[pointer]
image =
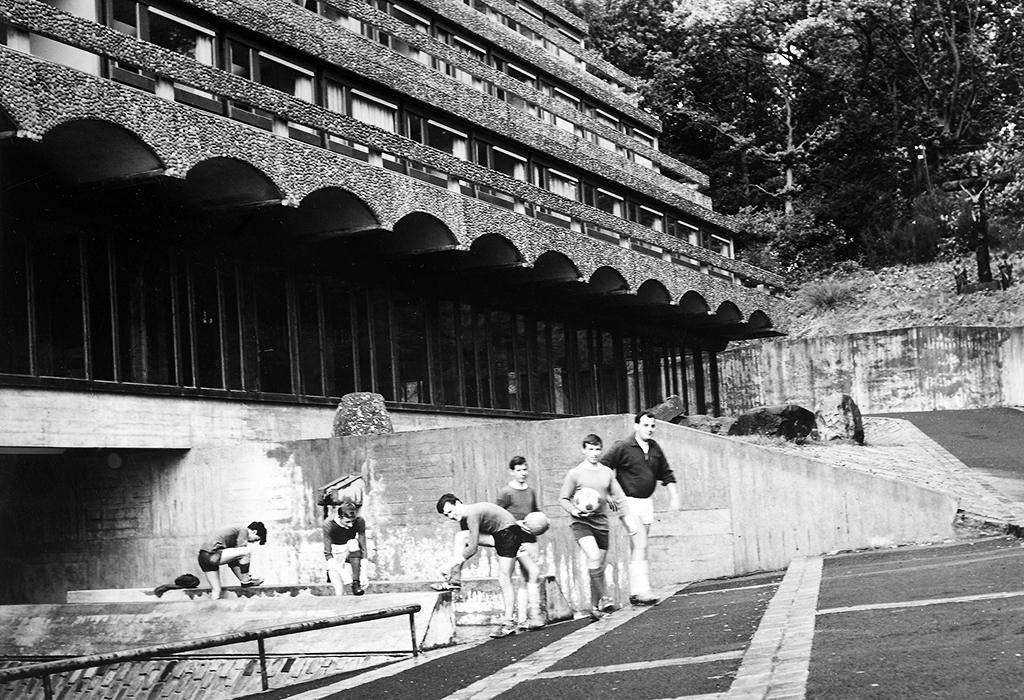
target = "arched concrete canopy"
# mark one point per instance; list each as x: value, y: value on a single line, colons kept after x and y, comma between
x: 91, y: 150
x: 329, y: 213
x: 759, y: 321
x: 653, y: 292
x: 728, y: 312
x: 693, y: 303
x: 229, y: 183
x: 418, y: 232
x: 556, y: 267
x: 607, y: 280
x: 494, y: 250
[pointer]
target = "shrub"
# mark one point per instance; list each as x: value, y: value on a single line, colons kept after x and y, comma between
x: 827, y: 294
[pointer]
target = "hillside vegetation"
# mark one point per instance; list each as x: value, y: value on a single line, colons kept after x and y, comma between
x: 861, y: 300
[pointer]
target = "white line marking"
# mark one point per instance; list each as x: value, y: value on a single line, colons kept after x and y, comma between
x: 527, y: 668
x: 726, y: 590
x: 921, y: 603
x: 934, y: 565
x: 641, y: 665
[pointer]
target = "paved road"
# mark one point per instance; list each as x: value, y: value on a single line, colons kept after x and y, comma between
x: 990, y: 441
x: 943, y: 621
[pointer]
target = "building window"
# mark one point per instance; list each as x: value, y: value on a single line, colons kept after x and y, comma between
x: 374, y: 111
x: 645, y: 216
x: 556, y: 182
x: 417, y: 22
x: 437, y: 135
x: 603, y: 199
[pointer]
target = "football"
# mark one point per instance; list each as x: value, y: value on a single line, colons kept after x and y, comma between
x: 536, y: 523
x: 586, y: 500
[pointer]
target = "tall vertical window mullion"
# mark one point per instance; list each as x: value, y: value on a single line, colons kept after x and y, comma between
x: 193, y: 330
x: 353, y: 306
x: 393, y: 339
x: 684, y: 384
x: 321, y: 321
x: 435, y: 385
x: 292, y: 334
x: 716, y: 401
x: 485, y: 318
x: 221, y: 325
x: 30, y: 299
x: 529, y: 337
x: 176, y: 358
x: 698, y: 380
x: 597, y: 344
x: 638, y: 399
x: 83, y: 266
x: 570, y: 371
x: 372, y: 349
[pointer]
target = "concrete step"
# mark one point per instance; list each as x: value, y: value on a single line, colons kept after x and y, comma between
x: 478, y: 603
x: 100, y: 627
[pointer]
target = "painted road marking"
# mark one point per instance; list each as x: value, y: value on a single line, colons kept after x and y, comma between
x: 920, y: 567
x: 778, y: 660
x: 527, y: 668
x: 726, y: 590
x: 921, y: 603
x: 641, y: 665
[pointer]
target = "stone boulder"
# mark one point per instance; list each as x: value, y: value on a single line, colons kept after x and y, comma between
x: 718, y: 425
x: 362, y: 413
x: 786, y: 420
x: 669, y: 410
x: 837, y: 417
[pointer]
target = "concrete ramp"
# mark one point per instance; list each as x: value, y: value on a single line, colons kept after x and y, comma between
x: 101, y: 627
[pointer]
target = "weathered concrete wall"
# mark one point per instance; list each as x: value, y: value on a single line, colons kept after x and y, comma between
x: 77, y: 419
x: 910, y: 369
x: 70, y: 522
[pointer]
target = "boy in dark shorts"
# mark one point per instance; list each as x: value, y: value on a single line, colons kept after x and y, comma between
x: 230, y: 546
x: 591, y: 529
x: 519, y: 499
x: 345, y: 534
x: 491, y: 526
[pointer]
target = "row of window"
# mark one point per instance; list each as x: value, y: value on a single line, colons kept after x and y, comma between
x: 425, y: 24
x: 124, y: 310
x: 253, y: 63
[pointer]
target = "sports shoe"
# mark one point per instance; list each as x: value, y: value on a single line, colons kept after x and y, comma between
x: 253, y: 581
x: 646, y: 599
x: 597, y: 615
x: 534, y: 624
x: 445, y: 586
x: 357, y: 589
x: 505, y: 630
x: 606, y: 605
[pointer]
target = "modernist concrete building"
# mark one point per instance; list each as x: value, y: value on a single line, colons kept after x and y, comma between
x: 220, y: 216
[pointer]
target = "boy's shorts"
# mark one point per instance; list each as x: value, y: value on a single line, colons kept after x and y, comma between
x: 642, y: 509
x: 507, y: 541
x: 209, y: 561
x: 582, y: 529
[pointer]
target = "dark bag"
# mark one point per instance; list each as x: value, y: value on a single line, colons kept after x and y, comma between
x: 186, y: 581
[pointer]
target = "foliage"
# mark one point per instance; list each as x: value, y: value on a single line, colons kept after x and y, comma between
x: 843, y: 118
x: 826, y: 294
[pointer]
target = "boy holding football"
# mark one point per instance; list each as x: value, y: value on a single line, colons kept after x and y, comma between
x: 590, y: 527
x: 520, y: 499
x: 491, y: 526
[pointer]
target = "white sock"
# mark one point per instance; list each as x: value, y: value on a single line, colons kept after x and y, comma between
x: 639, y: 578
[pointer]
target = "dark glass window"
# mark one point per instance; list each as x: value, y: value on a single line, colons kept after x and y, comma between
x: 207, y: 324
x: 448, y: 353
x: 144, y: 314
x: 411, y: 352
x: 57, y: 289
x: 309, y: 338
x: 274, y: 356
x: 380, y: 317
x: 14, y: 345
x: 101, y: 327
x: 338, y: 340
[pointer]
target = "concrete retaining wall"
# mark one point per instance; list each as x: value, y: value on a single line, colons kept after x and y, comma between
x: 70, y: 522
x: 54, y: 419
x: 910, y: 369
